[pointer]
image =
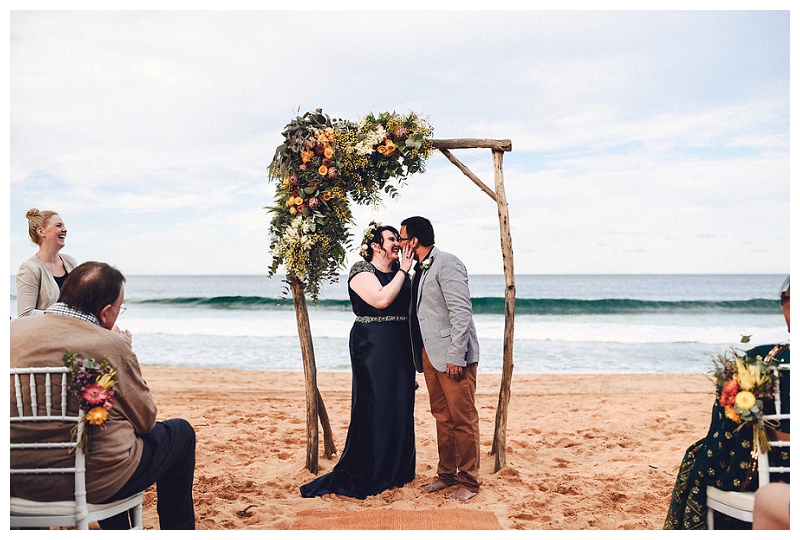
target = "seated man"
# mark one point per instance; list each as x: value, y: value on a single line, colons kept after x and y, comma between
x: 131, y: 451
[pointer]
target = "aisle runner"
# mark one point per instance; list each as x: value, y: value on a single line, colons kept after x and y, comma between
x: 390, y: 519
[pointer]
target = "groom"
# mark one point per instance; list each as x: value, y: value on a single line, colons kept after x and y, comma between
x: 445, y: 346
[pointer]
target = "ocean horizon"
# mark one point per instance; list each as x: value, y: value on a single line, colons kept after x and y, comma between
x: 576, y: 323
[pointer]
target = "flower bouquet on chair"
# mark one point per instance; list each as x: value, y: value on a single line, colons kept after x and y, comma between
x: 92, y: 382
x: 743, y: 384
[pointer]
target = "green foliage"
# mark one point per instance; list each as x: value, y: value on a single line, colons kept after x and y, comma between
x: 322, y: 165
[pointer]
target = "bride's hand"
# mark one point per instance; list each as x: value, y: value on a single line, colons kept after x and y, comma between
x: 408, y: 259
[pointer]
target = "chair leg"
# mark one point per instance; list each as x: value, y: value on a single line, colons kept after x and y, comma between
x: 710, y: 519
x: 136, y: 516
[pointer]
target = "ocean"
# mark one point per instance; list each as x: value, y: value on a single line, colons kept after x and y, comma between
x: 564, y: 323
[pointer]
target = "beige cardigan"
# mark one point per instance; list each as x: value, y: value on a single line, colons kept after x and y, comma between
x: 37, y: 290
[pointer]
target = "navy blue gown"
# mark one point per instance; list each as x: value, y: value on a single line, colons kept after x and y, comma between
x: 379, y: 452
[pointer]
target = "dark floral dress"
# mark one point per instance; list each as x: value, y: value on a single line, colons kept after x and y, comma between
x: 724, y: 458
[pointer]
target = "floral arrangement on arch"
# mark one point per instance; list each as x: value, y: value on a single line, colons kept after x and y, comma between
x: 92, y: 382
x: 323, y: 165
x: 743, y: 384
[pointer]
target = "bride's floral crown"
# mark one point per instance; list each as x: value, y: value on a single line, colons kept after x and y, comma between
x: 369, y: 233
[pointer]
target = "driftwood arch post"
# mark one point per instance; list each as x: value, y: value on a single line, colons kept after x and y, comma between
x: 498, y: 148
x: 315, y: 407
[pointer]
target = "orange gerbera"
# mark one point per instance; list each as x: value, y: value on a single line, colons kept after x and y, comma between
x: 96, y: 416
x: 323, y: 170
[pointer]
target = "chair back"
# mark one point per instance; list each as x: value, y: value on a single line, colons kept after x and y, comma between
x: 765, y: 470
x: 28, y: 389
x: 739, y: 504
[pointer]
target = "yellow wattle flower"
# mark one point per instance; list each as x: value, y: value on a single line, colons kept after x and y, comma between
x: 745, y: 400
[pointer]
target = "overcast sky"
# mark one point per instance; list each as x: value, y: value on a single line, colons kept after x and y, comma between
x: 643, y: 142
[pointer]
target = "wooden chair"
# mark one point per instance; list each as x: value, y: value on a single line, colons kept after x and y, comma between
x: 75, y: 512
x: 739, y: 504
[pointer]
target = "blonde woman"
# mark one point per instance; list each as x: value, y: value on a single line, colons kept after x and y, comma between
x: 39, y: 278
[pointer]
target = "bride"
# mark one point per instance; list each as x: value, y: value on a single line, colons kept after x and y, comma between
x: 379, y: 452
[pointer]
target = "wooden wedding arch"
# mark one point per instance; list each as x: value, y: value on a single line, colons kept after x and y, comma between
x: 315, y: 407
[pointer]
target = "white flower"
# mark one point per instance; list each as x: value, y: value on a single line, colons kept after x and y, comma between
x: 424, y: 265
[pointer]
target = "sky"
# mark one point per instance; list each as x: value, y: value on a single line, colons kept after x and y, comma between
x: 643, y: 141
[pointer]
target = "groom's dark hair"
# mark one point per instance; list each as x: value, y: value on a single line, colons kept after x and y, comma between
x: 420, y: 228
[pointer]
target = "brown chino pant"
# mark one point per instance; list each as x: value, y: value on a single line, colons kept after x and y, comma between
x: 457, y: 433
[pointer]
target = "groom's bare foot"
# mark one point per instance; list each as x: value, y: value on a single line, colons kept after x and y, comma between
x: 436, y: 485
x: 461, y: 493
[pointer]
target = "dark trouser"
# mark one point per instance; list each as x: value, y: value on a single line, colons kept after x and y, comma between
x: 167, y: 461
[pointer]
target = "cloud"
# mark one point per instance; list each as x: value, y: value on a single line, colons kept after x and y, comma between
x: 643, y: 141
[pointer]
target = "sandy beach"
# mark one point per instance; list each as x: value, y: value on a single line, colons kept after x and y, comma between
x: 583, y: 452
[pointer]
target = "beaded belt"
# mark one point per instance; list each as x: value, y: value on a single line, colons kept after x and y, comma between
x: 382, y: 318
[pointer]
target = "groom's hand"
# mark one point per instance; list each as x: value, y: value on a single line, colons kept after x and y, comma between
x: 454, y: 372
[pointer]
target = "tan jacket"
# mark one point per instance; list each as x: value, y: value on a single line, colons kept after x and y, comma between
x: 114, y: 452
x: 37, y: 290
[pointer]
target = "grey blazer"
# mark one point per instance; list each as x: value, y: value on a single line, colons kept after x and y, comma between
x: 444, y: 310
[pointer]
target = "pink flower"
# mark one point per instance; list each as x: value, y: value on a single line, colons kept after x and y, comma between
x: 94, y: 394
x: 313, y: 203
x: 332, y: 174
x: 109, y: 400
x: 302, y: 167
x: 401, y: 132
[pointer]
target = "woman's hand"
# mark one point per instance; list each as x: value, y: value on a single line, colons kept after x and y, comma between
x: 408, y: 258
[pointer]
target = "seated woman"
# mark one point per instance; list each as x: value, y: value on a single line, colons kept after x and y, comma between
x: 724, y: 458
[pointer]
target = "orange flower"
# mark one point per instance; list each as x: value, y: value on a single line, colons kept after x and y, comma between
x: 730, y: 413
x: 323, y: 170
x: 307, y: 155
x: 326, y: 196
x: 96, y: 416
x: 390, y: 148
x: 292, y: 210
x: 382, y: 150
x: 328, y: 152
